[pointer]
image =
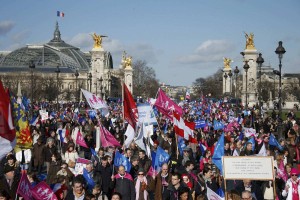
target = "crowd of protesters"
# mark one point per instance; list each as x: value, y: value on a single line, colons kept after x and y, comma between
x: 187, y: 175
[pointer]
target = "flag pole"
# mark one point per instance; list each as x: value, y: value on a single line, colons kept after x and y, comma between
x: 123, y: 110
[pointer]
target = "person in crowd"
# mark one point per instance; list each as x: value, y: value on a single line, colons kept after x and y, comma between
x: 66, y: 173
x: 96, y: 160
x: 77, y: 192
x: 98, y: 193
x: 32, y: 178
x: 116, y: 196
x: 144, y: 161
x: 161, y: 181
x: 12, y: 162
x: 93, y: 173
x: 49, y: 150
x: 248, y: 150
x: 38, y: 155
x: 172, y: 192
x: 250, y: 186
x: 105, y: 170
x: 90, y: 143
x: 123, y: 183
x: 55, y: 166
x: 71, y: 154
x: 134, y: 167
x: 142, y: 185
x: 292, y: 187
x: 246, y: 195
x: 9, y: 183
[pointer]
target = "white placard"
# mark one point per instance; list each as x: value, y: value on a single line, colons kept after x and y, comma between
x: 248, y: 167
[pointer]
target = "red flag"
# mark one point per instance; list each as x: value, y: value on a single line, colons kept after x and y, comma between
x: 183, y: 128
x: 43, y: 191
x: 130, y: 109
x: 80, y: 141
x: 7, y: 130
x: 107, y: 139
x: 24, y: 188
x: 166, y: 106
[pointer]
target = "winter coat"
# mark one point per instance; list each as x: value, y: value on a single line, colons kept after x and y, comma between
x: 38, y: 154
x: 11, y: 190
x: 125, y: 187
x: 158, y: 187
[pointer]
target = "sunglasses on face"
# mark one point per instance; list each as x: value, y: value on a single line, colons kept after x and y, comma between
x: 141, y: 174
x: 294, y: 175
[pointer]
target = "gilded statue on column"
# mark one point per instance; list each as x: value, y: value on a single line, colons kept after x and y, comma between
x: 249, y: 41
x: 97, y: 40
x: 227, y: 62
x: 127, y: 61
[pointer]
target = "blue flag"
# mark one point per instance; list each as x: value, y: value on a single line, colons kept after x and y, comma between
x: 218, y: 125
x: 153, y: 155
x: 89, y: 179
x: 200, y: 123
x: 120, y: 159
x: 93, y: 152
x: 241, y: 136
x: 274, y: 142
x: 61, y: 137
x: 181, y: 145
x: 219, y: 153
x: 161, y: 157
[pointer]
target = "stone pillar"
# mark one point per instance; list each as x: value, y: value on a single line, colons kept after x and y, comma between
x: 128, y: 73
x: 250, y: 55
x: 226, y: 82
x: 97, y: 67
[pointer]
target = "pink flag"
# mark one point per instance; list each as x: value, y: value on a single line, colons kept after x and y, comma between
x: 43, y: 191
x: 107, y: 139
x: 281, y: 171
x: 166, y: 106
x: 24, y: 188
x: 152, y: 172
x: 80, y: 140
x: 83, y: 161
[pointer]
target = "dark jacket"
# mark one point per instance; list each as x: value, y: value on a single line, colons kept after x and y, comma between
x: 38, y: 154
x: 11, y: 190
x: 254, y: 189
x: 125, y: 187
x: 172, y: 194
x: 105, y: 173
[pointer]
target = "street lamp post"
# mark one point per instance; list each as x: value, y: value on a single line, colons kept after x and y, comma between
x: 236, y: 72
x: 225, y: 77
x: 246, y: 67
x: 76, y: 91
x: 101, y: 87
x: 260, y: 61
x: 57, y: 71
x: 32, y: 67
x: 230, y: 76
x: 90, y: 80
x: 280, y: 51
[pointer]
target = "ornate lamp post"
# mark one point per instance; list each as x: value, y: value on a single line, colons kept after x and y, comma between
x: 230, y: 76
x: 76, y: 82
x: 260, y: 61
x: 109, y: 86
x: 236, y: 72
x: 101, y: 87
x: 32, y: 67
x: 57, y: 71
x: 246, y: 67
x: 280, y: 51
x: 225, y: 77
x: 90, y: 80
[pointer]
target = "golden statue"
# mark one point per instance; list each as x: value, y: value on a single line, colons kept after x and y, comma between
x: 249, y: 41
x: 97, y: 40
x: 128, y: 61
x: 227, y: 62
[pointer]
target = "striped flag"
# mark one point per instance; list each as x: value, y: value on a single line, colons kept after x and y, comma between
x: 60, y: 14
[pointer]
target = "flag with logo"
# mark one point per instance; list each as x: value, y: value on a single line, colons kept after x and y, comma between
x: 107, y: 139
x: 43, y: 191
x: 89, y: 179
x: 219, y: 153
x: 130, y: 109
x: 93, y: 100
x: 218, y: 125
x: 120, y: 159
x: 274, y: 142
x: 24, y: 188
x: 161, y: 157
x: 80, y: 141
x: 166, y: 106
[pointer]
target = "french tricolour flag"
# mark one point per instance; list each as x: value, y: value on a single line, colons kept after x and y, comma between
x: 60, y: 14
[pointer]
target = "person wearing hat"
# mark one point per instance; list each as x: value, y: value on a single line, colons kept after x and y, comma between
x: 292, y: 186
x: 10, y: 181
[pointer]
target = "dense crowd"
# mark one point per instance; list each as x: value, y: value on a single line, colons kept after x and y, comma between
x: 189, y: 173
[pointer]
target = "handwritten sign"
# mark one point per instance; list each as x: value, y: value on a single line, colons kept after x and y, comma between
x: 248, y: 167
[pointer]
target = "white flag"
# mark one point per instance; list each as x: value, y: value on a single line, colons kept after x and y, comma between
x: 262, y: 151
x: 93, y: 100
x: 211, y: 195
x: 130, y: 135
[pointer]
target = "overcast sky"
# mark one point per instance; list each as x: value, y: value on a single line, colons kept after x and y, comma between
x: 181, y: 40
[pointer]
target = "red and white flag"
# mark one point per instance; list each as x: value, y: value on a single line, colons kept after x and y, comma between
x: 24, y: 188
x: 130, y: 109
x: 183, y: 128
x: 107, y: 139
x: 7, y: 130
x: 93, y: 100
x: 80, y: 140
x: 166, y: 106
x: 43, y: 191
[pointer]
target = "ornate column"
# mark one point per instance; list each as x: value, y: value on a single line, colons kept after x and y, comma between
x: 226, y: 78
